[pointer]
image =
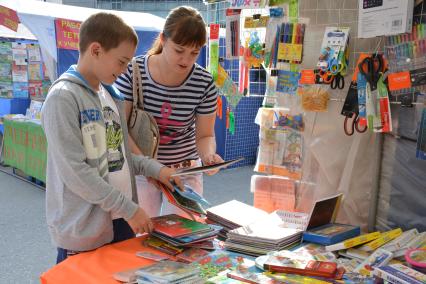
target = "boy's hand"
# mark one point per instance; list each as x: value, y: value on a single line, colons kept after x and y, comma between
x: 140, y: 222
x: 165, y: 178
x: 211, y: 159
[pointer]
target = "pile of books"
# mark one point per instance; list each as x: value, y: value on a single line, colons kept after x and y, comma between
x: 233, y: 214
x: 180, y: 232
x: 169, y: 272
x: 277, y: 231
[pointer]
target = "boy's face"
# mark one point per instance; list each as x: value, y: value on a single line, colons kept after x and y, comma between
x: 180, y: 58
x: 112, y: 63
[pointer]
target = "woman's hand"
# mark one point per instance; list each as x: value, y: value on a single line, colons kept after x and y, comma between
x: 211, y: 159
x: 165, y: 178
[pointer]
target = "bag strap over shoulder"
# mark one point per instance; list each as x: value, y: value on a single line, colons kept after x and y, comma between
x: 137, y: 85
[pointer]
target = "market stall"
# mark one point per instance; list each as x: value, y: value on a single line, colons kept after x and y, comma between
x: 43, y: 47
x: 340, y: 190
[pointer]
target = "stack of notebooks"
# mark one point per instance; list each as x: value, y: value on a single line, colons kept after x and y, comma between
x: 179, y: 231
x: 277, y: 231
x: 168, y: 272
x: 233, y: 214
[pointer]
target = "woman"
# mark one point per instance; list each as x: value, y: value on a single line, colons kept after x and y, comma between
x: 181, y: 96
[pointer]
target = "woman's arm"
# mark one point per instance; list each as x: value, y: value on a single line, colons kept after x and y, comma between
x: 205, y: 139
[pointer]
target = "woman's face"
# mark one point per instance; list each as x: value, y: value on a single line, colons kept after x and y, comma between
x: 179, y: 58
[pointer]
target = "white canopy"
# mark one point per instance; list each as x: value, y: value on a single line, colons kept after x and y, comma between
x: 39, y: 18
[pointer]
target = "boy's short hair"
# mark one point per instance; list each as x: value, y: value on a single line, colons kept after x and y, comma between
x: 107, y: 29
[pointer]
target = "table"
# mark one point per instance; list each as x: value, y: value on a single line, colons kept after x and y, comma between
x: 24, y: 147
x: 99, y: 265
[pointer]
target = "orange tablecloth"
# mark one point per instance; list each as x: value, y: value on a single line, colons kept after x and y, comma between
x: 99, y: 265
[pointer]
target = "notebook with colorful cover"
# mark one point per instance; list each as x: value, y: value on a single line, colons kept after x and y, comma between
x: 190, y: 239
x: 218, y: 261
x: 161, y: 245
x: 191, y: 255
x: 321, y: 228
x: 180, y: 200
x: 202, y: 169
x: 169, y: 271
x: 174, y: 226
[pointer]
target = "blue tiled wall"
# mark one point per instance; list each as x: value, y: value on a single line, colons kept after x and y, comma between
x: 245, y: 141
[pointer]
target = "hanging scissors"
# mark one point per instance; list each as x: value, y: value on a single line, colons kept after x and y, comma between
x: 354, y: 125
x: 337, y: 82
x: 325, y: 77
x: 372, y: 68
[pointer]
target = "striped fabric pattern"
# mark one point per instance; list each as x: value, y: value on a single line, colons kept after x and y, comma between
x: 174, y: 108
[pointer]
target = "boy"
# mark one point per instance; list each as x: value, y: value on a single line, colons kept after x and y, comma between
x: 90, y: 195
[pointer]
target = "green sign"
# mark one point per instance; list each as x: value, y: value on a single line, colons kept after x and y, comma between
x: 24, y: 147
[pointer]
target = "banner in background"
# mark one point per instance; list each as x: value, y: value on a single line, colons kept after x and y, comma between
x: 67, y: 33
x: 24, y: 148
x: 9, y: 18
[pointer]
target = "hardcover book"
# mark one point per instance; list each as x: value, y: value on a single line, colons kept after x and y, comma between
x: 175, y: 226
x: 322, y: 229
